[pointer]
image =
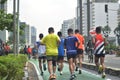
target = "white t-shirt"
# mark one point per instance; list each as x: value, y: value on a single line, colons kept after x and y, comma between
x: 41, y: 50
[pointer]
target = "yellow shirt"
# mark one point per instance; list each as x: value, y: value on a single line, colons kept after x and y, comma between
x: 51, y: 42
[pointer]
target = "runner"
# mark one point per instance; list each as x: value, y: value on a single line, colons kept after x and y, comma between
x: 51, y: 41
x: 6, y: 49
x: 41, y: 54
x: 25, y: 50
x: 99, y: 51
x: 35, y: 52
x: 80, y: 50
x: 29, y: 51
x: 60, y: 53
x: 71, y: 50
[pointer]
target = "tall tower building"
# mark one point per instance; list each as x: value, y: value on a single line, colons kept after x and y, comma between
x: 71, y: 23
x: 98, y: 16
x: 33, y: 35
x: 28, y: 35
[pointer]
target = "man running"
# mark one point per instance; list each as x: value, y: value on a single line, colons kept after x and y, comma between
x: 60, y: 53
x: 71, y: 50
x: 52, y: 42
x: 99, y: 51
x: 79, y: 50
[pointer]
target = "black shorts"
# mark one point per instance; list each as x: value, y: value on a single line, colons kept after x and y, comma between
x: 69, y: 56
x: 42, y: 57
x: 79, y: 51
x: 60, y: 58
x: 99, y: 55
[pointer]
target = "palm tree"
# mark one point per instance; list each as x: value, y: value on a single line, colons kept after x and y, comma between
x: 117, y: 32
x: 106, y: 30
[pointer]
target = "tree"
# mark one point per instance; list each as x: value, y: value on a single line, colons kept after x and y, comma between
x: 2, y: 1
x: 117, y: 32
x: 106, y: 30
x: 6, y: 21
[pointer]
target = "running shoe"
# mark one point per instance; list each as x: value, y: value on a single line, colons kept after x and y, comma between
x: 80, y: 72
x: 58, y: 67
x: 103, y: 75
x: 100, y: 69
x: 44, y: 66
x: 41, y: 73
x: 51, y: 77
x: 76, y: 69
x: 61, y: 73
x: 54, y: 76
x: 72, y: 77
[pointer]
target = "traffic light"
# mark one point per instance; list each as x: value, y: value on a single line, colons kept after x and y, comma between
x: 106, y: 8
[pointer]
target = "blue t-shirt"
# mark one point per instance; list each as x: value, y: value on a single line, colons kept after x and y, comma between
x: 61, y: 48
x: 70, y: 42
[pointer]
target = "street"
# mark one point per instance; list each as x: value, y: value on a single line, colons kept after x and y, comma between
x: 110, y: 61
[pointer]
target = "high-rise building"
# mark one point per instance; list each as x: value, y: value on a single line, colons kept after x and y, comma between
x: 71, y: 23
x: 98, y: 16
x: 33, y: 35
x: 28, y: 35
x: 105, y: 0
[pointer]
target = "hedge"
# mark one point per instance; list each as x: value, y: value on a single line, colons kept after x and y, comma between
x: 11, y: 67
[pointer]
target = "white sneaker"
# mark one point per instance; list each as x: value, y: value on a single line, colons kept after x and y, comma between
x: 61, y: 73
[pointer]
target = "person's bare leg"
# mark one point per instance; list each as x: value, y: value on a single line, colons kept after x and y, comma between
x: 50, y: 68
x: 97, y: 61
x: 40, y: 66
x: 80, y: 60
x: 102, y: 63
x: 70, y: 61
x: 76, y: 63
x: 61, y: 65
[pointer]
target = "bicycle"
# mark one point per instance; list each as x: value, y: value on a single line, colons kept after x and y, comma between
x: 90, y: 55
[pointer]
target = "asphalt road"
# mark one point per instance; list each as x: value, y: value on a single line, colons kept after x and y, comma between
x: 110, y: 61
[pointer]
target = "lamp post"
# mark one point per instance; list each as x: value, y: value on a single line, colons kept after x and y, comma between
x: 88, y: 17
x: 14, y: 26
x: 18, y: 2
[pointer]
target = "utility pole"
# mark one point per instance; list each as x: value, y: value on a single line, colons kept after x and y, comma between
x: 80, y: 10
x: 18, y: 2
x: 88, y: 17
x: 14, y: 26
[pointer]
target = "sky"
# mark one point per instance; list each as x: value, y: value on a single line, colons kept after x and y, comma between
x: 45, y: 13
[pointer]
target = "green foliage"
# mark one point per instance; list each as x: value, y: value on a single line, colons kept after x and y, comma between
x: 6, y: 21
x: 11, y: 67
x: 2, y: 1
x: 118, y: 51
x: 117, y: 30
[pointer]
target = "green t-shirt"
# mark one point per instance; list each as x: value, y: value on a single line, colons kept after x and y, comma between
x: 51, y: 42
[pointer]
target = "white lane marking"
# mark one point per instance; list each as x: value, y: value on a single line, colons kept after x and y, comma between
x: 37, y: 71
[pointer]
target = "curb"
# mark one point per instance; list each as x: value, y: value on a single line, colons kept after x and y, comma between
x: 37, y: 71
x: 108, y: 70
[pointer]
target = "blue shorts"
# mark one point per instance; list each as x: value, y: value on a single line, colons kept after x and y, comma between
x: 69, y: 56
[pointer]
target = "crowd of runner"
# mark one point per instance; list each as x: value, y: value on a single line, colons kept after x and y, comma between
x: 51, y: 49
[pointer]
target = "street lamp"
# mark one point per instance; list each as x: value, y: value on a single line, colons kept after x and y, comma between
x: 14, y: 26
